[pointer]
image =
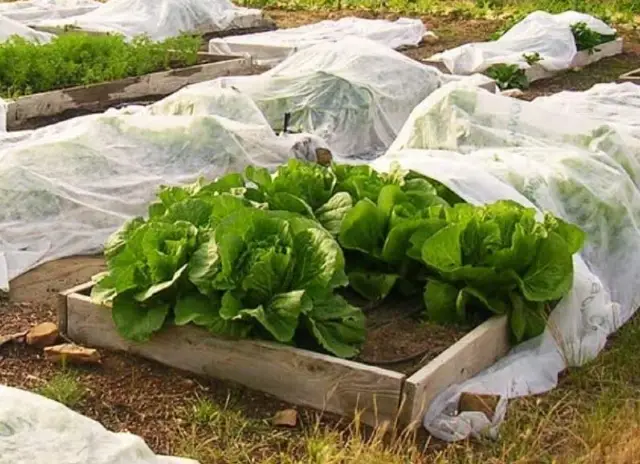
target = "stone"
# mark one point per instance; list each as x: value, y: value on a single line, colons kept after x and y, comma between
x: 72, y: 354
x: 45, y: 334
x: 12, y: 337
x: 286, y: 418
x: 486, y: 404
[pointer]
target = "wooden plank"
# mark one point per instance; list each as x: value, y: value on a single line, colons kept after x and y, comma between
x: 473, y: 353
x: 61, y: 304
x: 632, y: 76
x: 291, y: 374
x: 582, y: 59
x: 261, y: 24
x: 26, y: 111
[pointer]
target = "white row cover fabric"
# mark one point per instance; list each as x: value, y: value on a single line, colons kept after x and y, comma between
x: 65, y: 188
x: 540, y: 32
x: 30, y: 11
x: 161, y: 19
x: 583, y: 169
x: 270, y: 48
x: 10, y: 28
x: 35, y: 430
x: 354, y: 93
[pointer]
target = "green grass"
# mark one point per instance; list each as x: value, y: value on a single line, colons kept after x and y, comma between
x: 618, y: 11
x: 80, y: 59
x: 63, y: 388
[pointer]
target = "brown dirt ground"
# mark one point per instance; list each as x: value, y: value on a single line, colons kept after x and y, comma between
x: 130, y: 394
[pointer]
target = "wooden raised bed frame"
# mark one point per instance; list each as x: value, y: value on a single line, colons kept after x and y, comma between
x: 40, y: 109
x: 582, y: 59
x: 295, y: 375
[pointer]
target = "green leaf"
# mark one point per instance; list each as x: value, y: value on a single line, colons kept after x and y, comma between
x: 116, y: 242
x: 135, y: 321
x: 318, y: 258
x: 336, y: 325
x: 192, y: 210
x: 259, y: 176
x: 204, y: 265
x: 571, y: 234
x: 287, y: 202
x: 205, y: 311
x: 363, y: 228
x: 331, y: 214
x: 280, y: 316
x: 196, y: 309
x: 440, y: 299
x: 550, y: 276
x: 442, y: 250
x: 373, y: 286
x: 162, y: 286
x: 428, y: 227
x: 518, y: 318
x: 494, y: 304
x: 390, y: 196
x: 104, y: 291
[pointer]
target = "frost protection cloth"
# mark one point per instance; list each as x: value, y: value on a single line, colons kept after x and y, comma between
x: 161, y: 19
x: 10, y: 28
x: 34, y: 429
x: 354, y: 93
x: 65, y: 188
x: 270, y: 48
x: 488, y: 147
x: 540, y: 32
x: 30, y: 11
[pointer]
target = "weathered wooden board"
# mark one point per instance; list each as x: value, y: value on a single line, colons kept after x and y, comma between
x: 292, y: 374
x: 473, y: 353
x: 27, y: 112
x: 632, y: 76
x: 251, y: 26
x: 582, y: 59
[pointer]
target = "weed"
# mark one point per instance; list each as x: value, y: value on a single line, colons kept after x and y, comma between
x: 532, y: 58
x: 508, y: 76
x: 63, y: 388
x: 588, y: 39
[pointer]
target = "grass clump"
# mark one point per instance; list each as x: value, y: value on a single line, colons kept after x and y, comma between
x: 63, y: 388
x: 80, y: 59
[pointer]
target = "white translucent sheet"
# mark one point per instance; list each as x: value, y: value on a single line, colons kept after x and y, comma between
x: 540, y: 32
x: 65, y: 188
x: 10, y: 28
x: 161, y: 19
x: 29, y: 11
x: 270, y: 48
x: 35, y: 430
x: 354, y: 93
x: 586, y: 170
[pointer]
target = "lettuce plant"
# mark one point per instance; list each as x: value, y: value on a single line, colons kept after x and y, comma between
x: 209, y: 256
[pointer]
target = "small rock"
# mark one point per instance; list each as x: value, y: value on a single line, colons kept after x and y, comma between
x: 486, y: 404
x: 430, y: 38
x: 12, y: 338
x: 286, y: 418
x: 74, y: 354
x: 323, y: 156
x: 514, y: 93
x: 42, y: 335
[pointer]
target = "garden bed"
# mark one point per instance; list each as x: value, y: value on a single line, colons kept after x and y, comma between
x: 398, y: 393
x: 44, y: 108
x: 582, y: 59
